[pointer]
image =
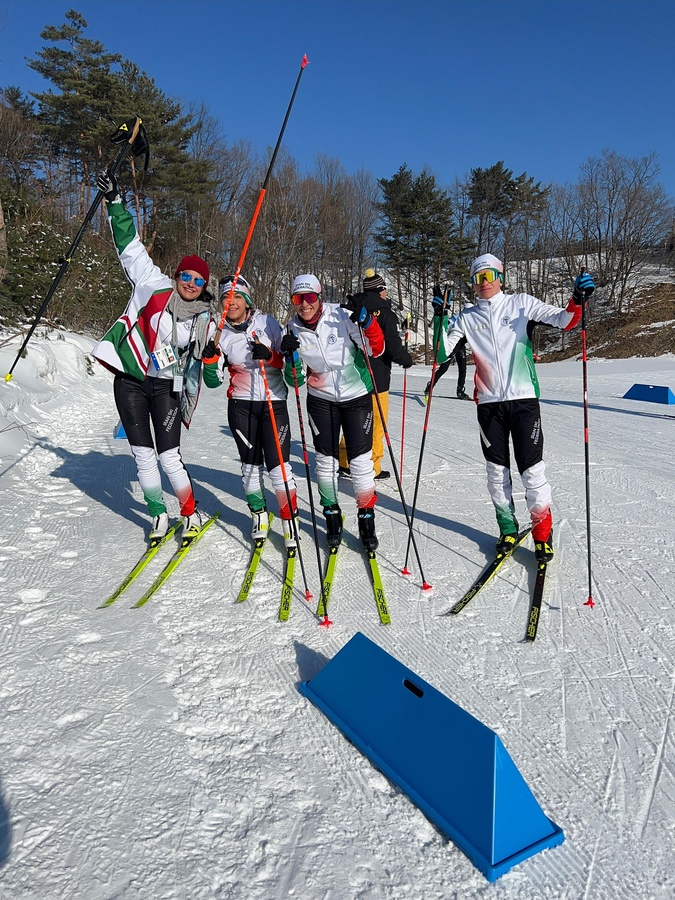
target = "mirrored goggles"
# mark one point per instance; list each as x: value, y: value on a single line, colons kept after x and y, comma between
x: 308, y: 297
x: 187, y: 278
x: 488, y: 275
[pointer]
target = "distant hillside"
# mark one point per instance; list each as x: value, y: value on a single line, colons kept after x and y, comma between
x: 648, y: 329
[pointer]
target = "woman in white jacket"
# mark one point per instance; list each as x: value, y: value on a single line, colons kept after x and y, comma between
x: 498, y: 328
x: 249, y: 336
x: 327, y: 341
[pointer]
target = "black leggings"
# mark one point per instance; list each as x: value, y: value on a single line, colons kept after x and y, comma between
x: 251, y: 428
x: 151, y: 400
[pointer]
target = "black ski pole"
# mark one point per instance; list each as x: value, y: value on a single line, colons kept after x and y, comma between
x: 130, y: 133
x: 584, y: 368
x: 425, y: 584
x: 405, y: 570
x: 305, y: 456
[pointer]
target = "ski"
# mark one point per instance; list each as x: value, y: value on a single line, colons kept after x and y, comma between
x: 186, y: 545
x: 256, y: 553
x: 378, y: 590
x: 150, y: 552
x: 535, y: 603
x: 287, y: 589
x: 486, y: 575
x: 327, y: 582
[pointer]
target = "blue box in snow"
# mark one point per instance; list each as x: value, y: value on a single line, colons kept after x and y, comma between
x: 653, y: 393
x: 451, y: 765
x: 118, y: 431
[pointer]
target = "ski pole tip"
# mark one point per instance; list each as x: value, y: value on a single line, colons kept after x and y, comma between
x: 304, y: 62
x: 325, y: 623
x: 308, y: 596
x: 426, y: 586
x: 8, y: 376
x: 590, y: 602
x: 405, y: 571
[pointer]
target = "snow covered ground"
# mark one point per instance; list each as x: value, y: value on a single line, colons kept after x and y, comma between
x: 166, y: 752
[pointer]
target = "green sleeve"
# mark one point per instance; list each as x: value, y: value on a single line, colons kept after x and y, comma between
x: 211, y: 379
x: 299, y: 371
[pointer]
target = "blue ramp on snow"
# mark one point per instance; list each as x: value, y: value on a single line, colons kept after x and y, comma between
x: 653, y: 393
x: 452, y: 766
x: 118, y: 431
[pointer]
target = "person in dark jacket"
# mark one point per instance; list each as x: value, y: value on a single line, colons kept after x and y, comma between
x: 374, y: 298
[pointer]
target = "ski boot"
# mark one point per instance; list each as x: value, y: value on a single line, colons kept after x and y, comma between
x: 333, y: 516
x: 543, y: 550
x: 366, y: 520
x: 289, y: 533
x: 194, y: 523
x: 426, y: 393
x: 462, y: 395
x: 160, y: 526
x: 506, y: 543
x: 260, y: 524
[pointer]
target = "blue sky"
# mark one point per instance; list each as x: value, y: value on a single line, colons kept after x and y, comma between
x: 438, y: 83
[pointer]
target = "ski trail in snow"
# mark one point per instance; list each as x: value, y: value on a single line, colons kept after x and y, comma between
x: 657, y: 767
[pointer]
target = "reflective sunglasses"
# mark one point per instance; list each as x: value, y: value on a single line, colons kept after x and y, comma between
x: 187, y: 278
x: 308, y: 297
x: 488, y: 275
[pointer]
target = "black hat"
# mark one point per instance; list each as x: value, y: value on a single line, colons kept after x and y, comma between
x: 373, y: 281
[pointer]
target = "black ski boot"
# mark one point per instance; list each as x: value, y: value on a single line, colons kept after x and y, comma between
x: 366, y: 520
x: 333, y: 516
x: 506, y: 543
x: 543, y: 550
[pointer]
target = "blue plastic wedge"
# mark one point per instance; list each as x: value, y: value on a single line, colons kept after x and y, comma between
x: 652, y: 393
x: 454, y: 768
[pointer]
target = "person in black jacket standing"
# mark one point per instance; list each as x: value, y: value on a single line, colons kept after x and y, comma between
x: 374, y: 298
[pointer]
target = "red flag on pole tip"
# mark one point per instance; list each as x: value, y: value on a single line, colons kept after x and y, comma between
x: 304, y: 61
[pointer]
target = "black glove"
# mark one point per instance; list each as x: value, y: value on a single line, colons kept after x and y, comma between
x: 260, y: 351
x: 361, y: 317
x: 107, y: 184
x: 211, y: 351
x: 289, y: 344
x: 583, y: 288
x: 437, y: 303
x: 408, y: 362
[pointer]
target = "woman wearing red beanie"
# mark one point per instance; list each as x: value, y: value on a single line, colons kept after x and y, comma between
x: 155, y: 350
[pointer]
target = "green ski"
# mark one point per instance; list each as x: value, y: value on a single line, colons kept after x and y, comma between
x: 154, y: 547
x: 327, y: 581
x: 186, y: 545
x: 378, y: 590
x: 258, y: 548
x: 287, y: 589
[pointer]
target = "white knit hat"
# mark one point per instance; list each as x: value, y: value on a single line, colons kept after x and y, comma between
x: 486, y: 261
x: 242, y: 287
x: 306, y: 284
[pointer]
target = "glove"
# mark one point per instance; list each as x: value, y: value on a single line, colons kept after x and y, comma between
x: 361, y: 317
x: 211, y: 352
x: 260, y: 351
x: 107, y: 184
x: 583, y: 288
x: 289, y: 344
x: 437, y: 303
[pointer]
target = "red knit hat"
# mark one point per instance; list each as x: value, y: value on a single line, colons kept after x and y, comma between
x: 194, y: 264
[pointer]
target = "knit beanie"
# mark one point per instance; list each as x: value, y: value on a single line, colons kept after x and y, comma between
x: 486, y: 261
x: 373, y: 281
x: 242, y: 287
x: 193, y: 264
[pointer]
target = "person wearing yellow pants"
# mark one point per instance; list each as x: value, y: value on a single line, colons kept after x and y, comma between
x: 374, y: 298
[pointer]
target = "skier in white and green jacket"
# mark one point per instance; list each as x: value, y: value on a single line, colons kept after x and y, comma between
x: 155, y: 351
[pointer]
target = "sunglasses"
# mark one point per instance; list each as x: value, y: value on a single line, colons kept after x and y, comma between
x: 308, y: 297
x: 488, y: 275
x: 187, y: 278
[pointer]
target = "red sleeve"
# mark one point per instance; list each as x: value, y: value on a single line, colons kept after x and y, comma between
x: 277, y: 360
x: 375, y: 337
x: 575, y: 309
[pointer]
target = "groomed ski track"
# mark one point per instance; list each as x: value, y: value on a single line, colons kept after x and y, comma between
x: 166, y: 752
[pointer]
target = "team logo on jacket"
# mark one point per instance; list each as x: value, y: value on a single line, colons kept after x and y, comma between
x: 332, y: 338
x: 505, y: 321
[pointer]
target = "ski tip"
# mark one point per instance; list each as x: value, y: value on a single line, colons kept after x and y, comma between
x: 590, y: 602
x: 426, y: 586
x: 325, y: 623
x: 405, y: 571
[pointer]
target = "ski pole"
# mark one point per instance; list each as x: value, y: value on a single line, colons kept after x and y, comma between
x: 258, y: 205
x: 405, y: 570
x: 584, y: 368
x: 275, y: 431
x: 405, y: 390
x: 425, y: 584
x: 129, y: 133
x: 305, y: 456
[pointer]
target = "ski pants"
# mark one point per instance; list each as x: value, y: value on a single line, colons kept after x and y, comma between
x: 378, y: 434
x: 141, y: 404
x: 460, y: 358
x: 519, y: 420
x: 355, y: 418
x: 253, y: 432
